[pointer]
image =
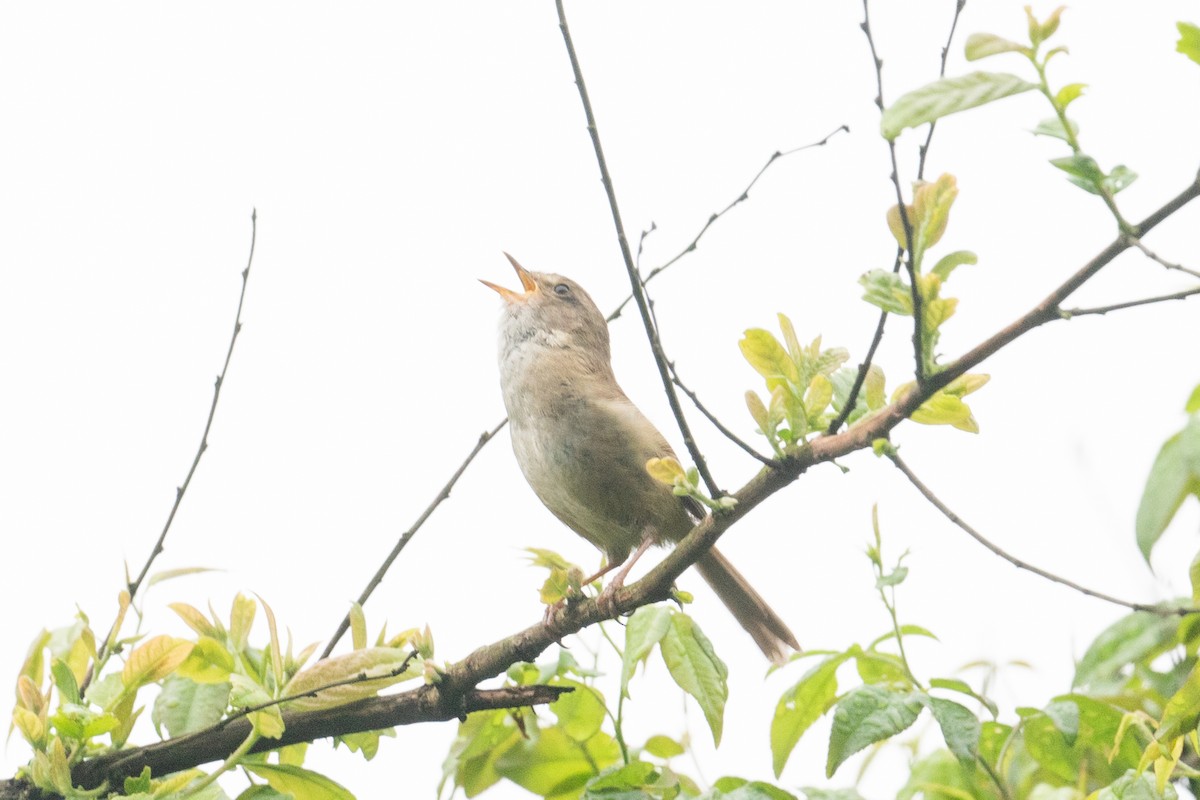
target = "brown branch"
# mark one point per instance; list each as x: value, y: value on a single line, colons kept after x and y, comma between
x: 1025, y: 565
x: 425, y: 704
x: 136, y: 583
x: 635, y: 281
x: 444, y: 494
x: 1068, y: 313
x: 712, y: 219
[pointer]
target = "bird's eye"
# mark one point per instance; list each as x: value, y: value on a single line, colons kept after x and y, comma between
x: 562, y: 290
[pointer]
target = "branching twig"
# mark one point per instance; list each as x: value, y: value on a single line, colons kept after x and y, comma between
x: 910, y: 267
x: 1068, y: 313
x: 1150, y: 254
x: 136, y: 583
x: 716, y: 423
x: 635, y: 281
x: 1018, y: 563
x: 362, y: 677
x: 741, y: 198
x: 377, y: 578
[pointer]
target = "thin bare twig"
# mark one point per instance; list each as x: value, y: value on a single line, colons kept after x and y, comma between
x: 361, y: 677
x: 716, y: 423
x: 909, y: 266
x: 134, y: 585
x: 377, y: 578
x: 741, y: 198
x: 1068, y: 313
x: 635, y: 281
x: 1025, y: 565
x: 923, y: 151
x: 1150, y: 254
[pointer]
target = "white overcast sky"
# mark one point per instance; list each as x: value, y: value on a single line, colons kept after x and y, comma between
x: 393, y: 150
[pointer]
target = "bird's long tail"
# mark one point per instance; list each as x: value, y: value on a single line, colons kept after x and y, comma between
x: 765, y: 627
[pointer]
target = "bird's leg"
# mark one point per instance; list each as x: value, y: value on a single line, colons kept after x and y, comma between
x: 607, y: 599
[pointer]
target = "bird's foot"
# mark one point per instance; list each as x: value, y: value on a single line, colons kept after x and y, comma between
x: 606, y: 601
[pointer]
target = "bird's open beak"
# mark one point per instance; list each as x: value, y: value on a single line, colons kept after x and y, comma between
x: 527, y: 282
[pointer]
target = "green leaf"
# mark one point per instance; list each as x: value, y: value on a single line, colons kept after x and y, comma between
x: 962, y: 687
x: 184, y: 706
x: 1194, y: 577
x: 1053, y: 127
x: 1182, y: 711
x: 376, y: 666
x: 1135, y: 786
x: 626, y: 783
x: 960, y: 728
x: 905, y: 630
x: 663, y: 747
x: 1083, y: 170
x: 154, y: 660
x: 300, y: 783
x: 1174, y: 475
x: 365, y: 742
x: 1041, y: 31
x: 1069, y: 94
x: 696, y: 669
x: 1119, y: 178
x: 882, y: 668
x: 764, y: 352
x: 893, y: 578
x: 483, y: 738
x: 209, y: 662
x: 947, y: 263
x: 945, y: 409
x: 867, y: 715
x: 1136, y: 638
x: 740, y: 789
x: 1189, y: 40
x: 948, y: 96
x: 982, y: 45
x: 553, y: 764
x: 887, y: 291
x: 802, y: 705
x: 1193, y: 401
x: 581, y: 712
x: 64, y: 681
x: 646, y: 628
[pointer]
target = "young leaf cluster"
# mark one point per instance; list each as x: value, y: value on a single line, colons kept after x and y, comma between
x: 70, y: 706
x: 801, y: 385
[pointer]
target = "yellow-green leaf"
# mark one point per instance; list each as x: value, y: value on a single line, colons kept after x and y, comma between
x: 154, y: 660
x: 665, y: 470
x: 375, y: 665
x: 768, y: 357
x: 299, y: 783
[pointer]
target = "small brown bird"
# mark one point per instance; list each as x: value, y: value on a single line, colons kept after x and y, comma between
x: 583, y: 446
